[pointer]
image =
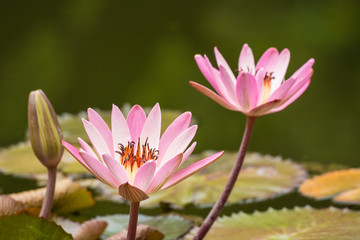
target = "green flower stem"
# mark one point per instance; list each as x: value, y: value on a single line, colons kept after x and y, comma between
x: 216, y: 209
x: 49, y: 195
x: 133, y: 218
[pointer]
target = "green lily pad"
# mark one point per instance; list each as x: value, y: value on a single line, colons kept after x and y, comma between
x: 171, y: 226
x: 30, y: 228
x: 68, y: 197
x: 20, y: 159
x: 341, y: 186
x: 298, y: 224
x: 262, y: 177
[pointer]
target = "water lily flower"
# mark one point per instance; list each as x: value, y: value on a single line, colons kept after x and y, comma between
x: 258, y: 89
x: 132, y: 157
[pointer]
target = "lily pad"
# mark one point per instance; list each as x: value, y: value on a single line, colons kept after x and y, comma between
x: 171, y: 226
x: 262, y: 177
x: 68, y: 197
x: 89, y: 230
x: 298, y: 224
x: 30, y: 228
x: 342, y: 186
x: 20, y: 159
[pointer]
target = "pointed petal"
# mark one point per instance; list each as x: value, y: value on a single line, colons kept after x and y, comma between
x: 117, y: 170
x: 204, y: 69
x: 152, y: 127
x: 164, y: 172
x: 246, y: 90
x: 282, y: 90
x: 188, y: 152
x: 246, y: 60
x: 294, y: 93
x: 221, y: 60
x: 132, y: 193
x: 135, y: 120
x: 144, y: 175
x: 75, y: 153
x: 260, y: 76
x: 96, y: 138
x: 229, y: 82
x: 177, y: 146
x: 210, y: 73
x: 264, y: 108
x: 267, y: 59
x: 87, y: 148
x: 304, y: 69
x: 120, y: 130
x: 175, y: 128
x: 213, y: 96
x: 279, y: 69
x: 99, y: 170
x: 190, y: 170
x: 101, y: 126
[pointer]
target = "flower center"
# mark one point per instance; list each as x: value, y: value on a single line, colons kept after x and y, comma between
x: 132, y: 158
x: 267, y: 86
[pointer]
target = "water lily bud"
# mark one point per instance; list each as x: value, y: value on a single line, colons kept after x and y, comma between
x: 44, y: 130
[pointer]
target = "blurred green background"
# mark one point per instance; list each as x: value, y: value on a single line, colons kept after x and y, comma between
x: 94, y: 53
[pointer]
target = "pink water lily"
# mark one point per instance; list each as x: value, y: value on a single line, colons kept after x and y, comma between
x: 258, y: 89
x: 132, y: 157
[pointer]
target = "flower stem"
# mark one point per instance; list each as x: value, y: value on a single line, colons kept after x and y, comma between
x: 215, y: 211
x: 133, y: 218
x: 49, y: 195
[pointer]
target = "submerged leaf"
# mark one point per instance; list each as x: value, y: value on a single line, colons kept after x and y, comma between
x: 30, y: 228
x: 262, y: 177
x: 68, y: 197
x: 297, y: 224
x: 171, y: 226
x: 343, y: 184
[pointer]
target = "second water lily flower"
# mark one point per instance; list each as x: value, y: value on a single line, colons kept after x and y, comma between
x: 132, y: 157
x: 258, y: 89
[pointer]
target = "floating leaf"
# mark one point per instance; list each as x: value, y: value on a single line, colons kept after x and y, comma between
x: 30, y: 228
x: 343, y: 184
x: 171, y: 226
x: 143, y: 232
x: 20, y: 159
x: 262, y: 177
x: 297, y: 224
x: 9, y: 206
x: 68, y: 197
x: 89, y: 230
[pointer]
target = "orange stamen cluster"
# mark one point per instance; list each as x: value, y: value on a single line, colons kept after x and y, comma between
x: 133, y: 158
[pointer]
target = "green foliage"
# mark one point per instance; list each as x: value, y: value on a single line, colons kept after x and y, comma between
x: 30, y: 228
x: 171, y: 226
x: 261, y: 178
x: 297, y: 224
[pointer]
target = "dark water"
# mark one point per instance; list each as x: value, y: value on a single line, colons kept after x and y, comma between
x: 95, y: 53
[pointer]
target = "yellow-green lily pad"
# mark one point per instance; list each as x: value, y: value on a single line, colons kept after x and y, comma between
x: 172, y: 226
x: 68, y: 197
x: 262, y: 177
x: 342, y: 186
x: 30, y: 228
x: 298, y: 224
